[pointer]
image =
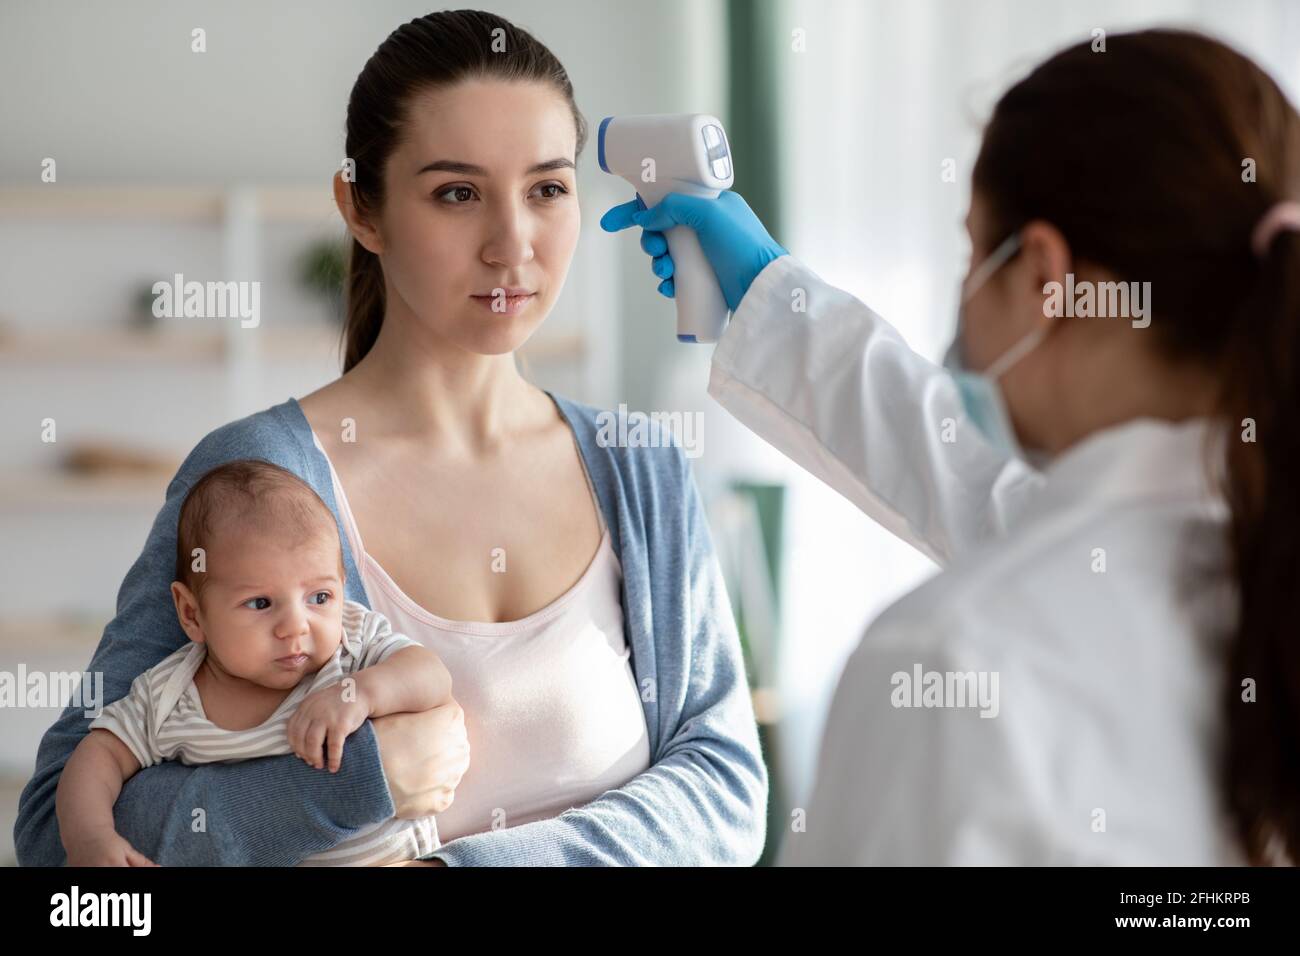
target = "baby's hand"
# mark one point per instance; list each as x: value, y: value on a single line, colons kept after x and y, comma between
x: 106, y: 849
x: 327, y: 716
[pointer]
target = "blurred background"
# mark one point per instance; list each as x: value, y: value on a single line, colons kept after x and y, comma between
x: 843, y: 117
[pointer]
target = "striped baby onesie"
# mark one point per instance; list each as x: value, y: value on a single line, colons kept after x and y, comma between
x: 162, y: 718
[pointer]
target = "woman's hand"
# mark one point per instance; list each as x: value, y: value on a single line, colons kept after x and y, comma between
x: 424, y: 755
x: 734, y: 240
x: 105, y: 848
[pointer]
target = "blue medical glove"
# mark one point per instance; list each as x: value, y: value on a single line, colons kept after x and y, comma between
x: 732, y: 237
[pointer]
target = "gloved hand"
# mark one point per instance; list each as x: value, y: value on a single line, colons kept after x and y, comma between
x: 732, y: 237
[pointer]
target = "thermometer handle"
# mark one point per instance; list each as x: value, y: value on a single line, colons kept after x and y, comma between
x: 701, y: 309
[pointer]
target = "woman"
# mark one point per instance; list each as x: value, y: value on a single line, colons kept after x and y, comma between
x: 571, y: 588
x: 1121, y: 617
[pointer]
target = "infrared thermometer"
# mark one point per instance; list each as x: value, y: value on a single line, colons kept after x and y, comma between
x: 676, y: 153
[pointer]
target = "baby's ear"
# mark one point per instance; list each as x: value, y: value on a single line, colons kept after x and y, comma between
x: 187, y: 611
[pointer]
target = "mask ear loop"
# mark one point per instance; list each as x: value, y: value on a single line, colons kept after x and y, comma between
x: 967, y: 288
x: 1017, y: 352
x: 1009, y: 247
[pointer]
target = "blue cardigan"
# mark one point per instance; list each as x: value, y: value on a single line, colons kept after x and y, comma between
x: 702, y: 801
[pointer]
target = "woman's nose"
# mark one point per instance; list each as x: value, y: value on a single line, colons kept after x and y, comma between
x: 510, y: 240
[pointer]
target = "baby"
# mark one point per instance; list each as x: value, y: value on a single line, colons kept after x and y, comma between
x: 279, y: 662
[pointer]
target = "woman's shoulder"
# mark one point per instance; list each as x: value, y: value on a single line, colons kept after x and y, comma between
x: 627, y: 441
x: 272, y: 434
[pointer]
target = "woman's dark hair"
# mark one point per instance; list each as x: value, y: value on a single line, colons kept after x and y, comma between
x: 433, y: 51
x: 1156, y: 159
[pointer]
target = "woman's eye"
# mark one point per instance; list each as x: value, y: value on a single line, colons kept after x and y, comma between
x: 266, y: 603
x: 323, y: 595
x: 463, y: 194
x: 556, y: 195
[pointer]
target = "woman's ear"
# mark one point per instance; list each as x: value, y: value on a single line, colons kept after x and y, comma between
x: 187, y: 611
x: 358, y: 225
x: 1044, y: 254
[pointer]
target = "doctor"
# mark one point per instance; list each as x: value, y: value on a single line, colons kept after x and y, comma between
x: 1106, y: 670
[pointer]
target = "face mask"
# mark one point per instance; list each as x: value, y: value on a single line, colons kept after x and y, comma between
x: 980, y: 396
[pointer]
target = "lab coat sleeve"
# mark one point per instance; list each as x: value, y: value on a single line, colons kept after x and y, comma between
x: 832, y: 385
x: 916, y: 785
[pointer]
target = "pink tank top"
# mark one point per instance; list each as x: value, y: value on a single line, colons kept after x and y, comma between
x: 551, y: 705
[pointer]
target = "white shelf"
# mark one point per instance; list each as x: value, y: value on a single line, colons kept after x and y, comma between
x: 206, y: 340
x: 290, y: 204
x: 34, y: 489
x: 24, y: 490
x: 101, y: 345
x: 212, y: 342
x: 52, y: 631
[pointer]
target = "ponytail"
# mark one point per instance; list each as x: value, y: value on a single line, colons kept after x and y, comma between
x: 363, y: 304
x: 1262, y: 767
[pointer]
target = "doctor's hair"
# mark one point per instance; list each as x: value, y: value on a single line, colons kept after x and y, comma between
x: 248, y: 493
x: 1141, y: 156
x: 430, y: 52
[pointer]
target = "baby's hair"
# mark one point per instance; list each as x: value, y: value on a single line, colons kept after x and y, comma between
x: 237, y: 491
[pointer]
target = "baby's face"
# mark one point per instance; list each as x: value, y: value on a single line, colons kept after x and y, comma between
x: 272, y: 612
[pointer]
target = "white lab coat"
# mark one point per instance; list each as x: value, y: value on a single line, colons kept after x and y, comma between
x: 1074, y: 586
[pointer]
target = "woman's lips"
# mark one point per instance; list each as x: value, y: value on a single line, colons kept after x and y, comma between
x: 505, y: 304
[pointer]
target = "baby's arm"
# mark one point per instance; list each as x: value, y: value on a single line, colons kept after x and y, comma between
x: 88, y: 788
x: 407, y: 681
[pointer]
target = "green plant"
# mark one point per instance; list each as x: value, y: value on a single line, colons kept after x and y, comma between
x: 322, y: 268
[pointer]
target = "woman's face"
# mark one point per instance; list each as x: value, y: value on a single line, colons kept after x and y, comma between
x: 481, y: 203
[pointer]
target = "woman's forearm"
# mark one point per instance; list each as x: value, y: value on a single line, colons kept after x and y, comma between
x: 268, y: 811
x: 888, y: 457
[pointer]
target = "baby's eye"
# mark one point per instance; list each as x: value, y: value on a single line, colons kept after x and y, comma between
x: 263, y: 607
x: 323, y: 595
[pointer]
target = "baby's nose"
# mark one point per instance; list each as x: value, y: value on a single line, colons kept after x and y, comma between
x: 292, y: 624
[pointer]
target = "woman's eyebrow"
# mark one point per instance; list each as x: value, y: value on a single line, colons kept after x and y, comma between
x: 469, y: 169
